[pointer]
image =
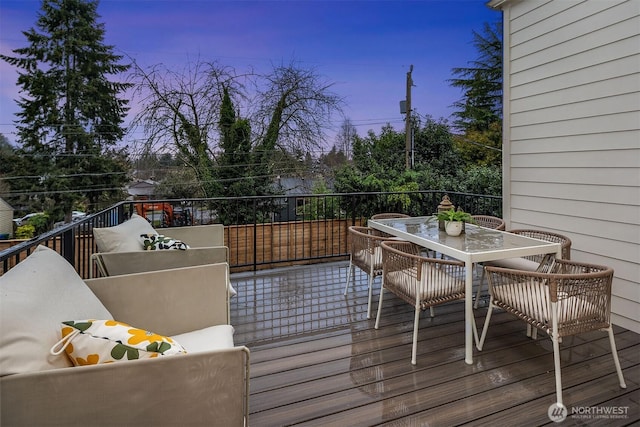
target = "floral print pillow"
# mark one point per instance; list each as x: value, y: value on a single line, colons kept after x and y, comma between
x: 91, y: 342
x: 155, y: 242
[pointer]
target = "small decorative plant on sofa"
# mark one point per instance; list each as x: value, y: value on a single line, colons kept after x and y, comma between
x: 453, y: 220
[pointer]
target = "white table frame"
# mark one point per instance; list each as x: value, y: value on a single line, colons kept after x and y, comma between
x: 453, y: 247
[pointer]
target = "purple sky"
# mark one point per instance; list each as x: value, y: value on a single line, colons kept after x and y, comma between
x: 365, y: 47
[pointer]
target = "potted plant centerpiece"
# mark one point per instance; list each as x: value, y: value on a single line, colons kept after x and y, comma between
x: 454, y: 220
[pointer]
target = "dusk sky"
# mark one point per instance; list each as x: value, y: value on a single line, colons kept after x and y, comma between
x: 365, y: 47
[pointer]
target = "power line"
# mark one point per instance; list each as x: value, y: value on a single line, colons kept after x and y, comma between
x: 7, y: 178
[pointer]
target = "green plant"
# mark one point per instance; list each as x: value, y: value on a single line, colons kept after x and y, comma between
x: 452, y: 215
x: 25, y: 231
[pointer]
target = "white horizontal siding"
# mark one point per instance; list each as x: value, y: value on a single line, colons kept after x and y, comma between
x: 610, y: 123
x: 620, y: 140
x: 601, y: 211
x: 614, y: 231
x: 581, y: 78
x: 608, y: 88
x: 589, y: 159
x: 572, y: 132
x: 603, y: 23
x: 608, y: 176
x: 622, y: 103
x: 595, y: 55
x: 595, y: 193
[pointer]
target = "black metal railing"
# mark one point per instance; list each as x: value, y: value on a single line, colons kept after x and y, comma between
x: 260, y: 231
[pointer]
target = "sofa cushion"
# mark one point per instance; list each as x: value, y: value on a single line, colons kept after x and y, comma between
x: 211, y: 338
x: 92, y: 342
x: 157, y: 242
x: 124, y: 237
x: 35, y: 296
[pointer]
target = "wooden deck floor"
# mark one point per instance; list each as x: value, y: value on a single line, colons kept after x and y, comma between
x: 316, y: 360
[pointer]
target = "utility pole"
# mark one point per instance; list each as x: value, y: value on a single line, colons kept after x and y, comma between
x: 408, y: 124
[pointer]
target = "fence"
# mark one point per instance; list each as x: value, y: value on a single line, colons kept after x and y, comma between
x: 261, y: 232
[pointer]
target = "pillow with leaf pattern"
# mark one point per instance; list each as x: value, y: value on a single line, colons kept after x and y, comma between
x: 91, y: 342
x: 155, y: 242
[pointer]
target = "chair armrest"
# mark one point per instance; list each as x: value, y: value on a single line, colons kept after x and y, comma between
x: 117, y: 263
x: 209, y: 388
x: 168, y: 302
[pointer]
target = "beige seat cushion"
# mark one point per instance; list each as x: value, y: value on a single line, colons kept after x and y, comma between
x: 35, y: 296
x: 532, y: 299
x: 432, y: 285
x: 515, y: 264
x: 207, y: 339
x: 364, y: 256
x: 124, y: 237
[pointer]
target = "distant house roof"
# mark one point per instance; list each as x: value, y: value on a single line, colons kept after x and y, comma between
x: 4, y: 206
x: 295, y: 185
x: 146, y: 187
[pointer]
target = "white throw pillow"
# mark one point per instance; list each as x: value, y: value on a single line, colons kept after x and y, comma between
x: 35, y: 296
x: 124, y: 237
x: 207, y: 339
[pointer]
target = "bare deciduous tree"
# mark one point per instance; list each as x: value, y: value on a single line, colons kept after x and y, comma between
x: 295, y: 107
x: 289, y: 110
x: 181, y: 110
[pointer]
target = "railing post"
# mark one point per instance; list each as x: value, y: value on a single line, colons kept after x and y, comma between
x: 353, y: 209
x: 68, y: 246
x: 255, y: 236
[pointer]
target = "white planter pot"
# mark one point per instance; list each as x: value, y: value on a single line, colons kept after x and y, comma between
x: 453, y: 228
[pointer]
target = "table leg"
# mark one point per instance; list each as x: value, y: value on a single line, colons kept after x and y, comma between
x: 468, y: 313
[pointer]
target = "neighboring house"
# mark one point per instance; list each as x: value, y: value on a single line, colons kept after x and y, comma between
x: 571, y: 145
x: 142, y: 189
x: 292, y: 187
x: 6, y: 219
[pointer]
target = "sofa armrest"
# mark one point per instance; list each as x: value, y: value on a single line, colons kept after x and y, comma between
x: 209, y: 388
x: 168, y: 302
x: 117, y: 263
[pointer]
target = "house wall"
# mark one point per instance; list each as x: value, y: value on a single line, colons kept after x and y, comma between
x: 6, y: 218
x: 571, y: 144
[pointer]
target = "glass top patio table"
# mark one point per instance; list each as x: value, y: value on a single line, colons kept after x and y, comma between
x: 476, y: 244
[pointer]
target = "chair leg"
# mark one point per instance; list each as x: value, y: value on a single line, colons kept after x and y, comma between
x: 556, y: 363
x: 379, y: 305
x: 614, y: 352
x: 350, y: 273
x: 475, y: 304
x: 486, y: 325
x: 416, y: 324
x: 370, y: 296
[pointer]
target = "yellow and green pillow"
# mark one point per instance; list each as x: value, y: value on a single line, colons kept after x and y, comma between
x: 92, y: 342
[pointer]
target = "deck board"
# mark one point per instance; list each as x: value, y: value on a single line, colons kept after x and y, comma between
x: 317, y: 360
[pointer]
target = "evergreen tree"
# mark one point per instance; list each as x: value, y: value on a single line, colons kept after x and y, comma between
x: 234, y: 170
x: 479, y: 113
x: 71, y: 117
x: 481, y: 82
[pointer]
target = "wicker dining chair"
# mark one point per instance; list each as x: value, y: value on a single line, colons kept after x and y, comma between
x: 489, y: 221
x: 388, y: 215
x: 528, y: 263
x: 420, y: 281
x: 365, y: 253
x: 570, y: 298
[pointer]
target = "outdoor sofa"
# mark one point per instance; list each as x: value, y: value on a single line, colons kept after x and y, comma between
x: 205, y: 383
x: 120, y: 250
